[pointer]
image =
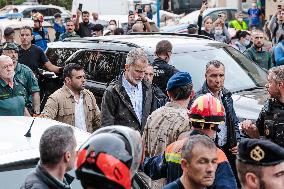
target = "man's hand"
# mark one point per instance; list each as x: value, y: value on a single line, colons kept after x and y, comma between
x: 203, y: 7
x: 234, y: 150
x: 250, y: 129
x: 78, y: 13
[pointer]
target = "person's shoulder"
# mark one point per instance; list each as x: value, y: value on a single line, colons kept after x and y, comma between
x: 37, y: 48
x: 173, y: 185
x: 33, y: 181
x: 25, y: 68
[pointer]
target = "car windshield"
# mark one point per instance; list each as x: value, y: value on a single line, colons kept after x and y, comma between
x: 240, y: 73
x: 191, y: 17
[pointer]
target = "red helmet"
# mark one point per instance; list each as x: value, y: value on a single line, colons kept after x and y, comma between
x: 207, y: 112
x: 38, y: 16
x: 109, y: 158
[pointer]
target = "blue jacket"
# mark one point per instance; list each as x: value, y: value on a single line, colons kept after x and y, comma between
x: 167, y: 165
x: 279, y: 53
x: 58, y: 30
x: 41, y: 41
x: 232, y: 121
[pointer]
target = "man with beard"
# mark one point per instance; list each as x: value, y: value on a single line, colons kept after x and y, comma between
x: 57, y: 149
x: 270, y: 122
x: 41, y: 37
x: 83, y: 29
x: 73, y: 104
x: 70, y: 31
x: 260, y: 164
x: 256, y: 53
x: 198, y: 163
x: 128, y: 100
x: 131, y: 22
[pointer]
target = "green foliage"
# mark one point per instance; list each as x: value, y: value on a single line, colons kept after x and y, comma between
x: 3, y: 3
x: 63, y: 3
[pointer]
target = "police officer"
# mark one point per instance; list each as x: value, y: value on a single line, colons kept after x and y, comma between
x: 270, y: 122
x: 162, y: 69
x: 26, y: 78
x: 260, y: 164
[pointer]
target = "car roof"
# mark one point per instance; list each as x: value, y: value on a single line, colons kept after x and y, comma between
x: 18, y: 23
x: 23, y: 7
x: 147, y: 42
x: 14, y: 146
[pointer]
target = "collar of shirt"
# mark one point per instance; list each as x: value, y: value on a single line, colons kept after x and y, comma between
x: 72, y: 94
x: 220, y: 95
x: 129, y: 87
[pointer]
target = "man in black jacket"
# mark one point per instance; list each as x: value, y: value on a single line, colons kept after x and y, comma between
x: 163, y: 71
x: 228, y: 135
x: 128, y: 100
x: 57, y: 156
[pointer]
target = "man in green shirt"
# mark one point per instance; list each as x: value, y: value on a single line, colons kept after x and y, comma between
x: 26, y: 77
x: 256, y: 53
x: 12, y: 94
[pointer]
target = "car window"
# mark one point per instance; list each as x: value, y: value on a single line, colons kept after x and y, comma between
x: 58, y: 56
x: 100, y: 66
x: 27, y: 13
x: 53, y: 11
x: 214, y: 15
x: 240, y: 73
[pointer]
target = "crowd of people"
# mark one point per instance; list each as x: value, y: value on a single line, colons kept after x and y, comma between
x: 150, y: 120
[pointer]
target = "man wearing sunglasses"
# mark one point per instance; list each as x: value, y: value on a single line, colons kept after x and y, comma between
x: 256, y: 53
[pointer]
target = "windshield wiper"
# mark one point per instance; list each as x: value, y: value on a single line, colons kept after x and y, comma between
x: 248, y: 89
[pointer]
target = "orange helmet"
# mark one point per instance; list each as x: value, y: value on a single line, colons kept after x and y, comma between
x: 38, y: 16
x: 207, y: 112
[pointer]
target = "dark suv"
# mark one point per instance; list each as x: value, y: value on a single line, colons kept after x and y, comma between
x: 104, y: 57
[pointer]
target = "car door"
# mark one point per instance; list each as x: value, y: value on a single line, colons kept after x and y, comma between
x: 101, y: 67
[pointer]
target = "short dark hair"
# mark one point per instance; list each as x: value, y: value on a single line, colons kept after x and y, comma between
x: 118, y: 31
x: 98, y: 27
x: 113, y: 21
x: 54, y: 142
x: 215, y: 63
x: 205, y: 141
x: 163, y: 46
x: 243, y: 169
x: 242, y: 34
x: 181, y: 93
x: 67, y: 71
x: 85, y: 12
x: 26, y: 28
x: 57, y: 15
x: 8, y: 31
